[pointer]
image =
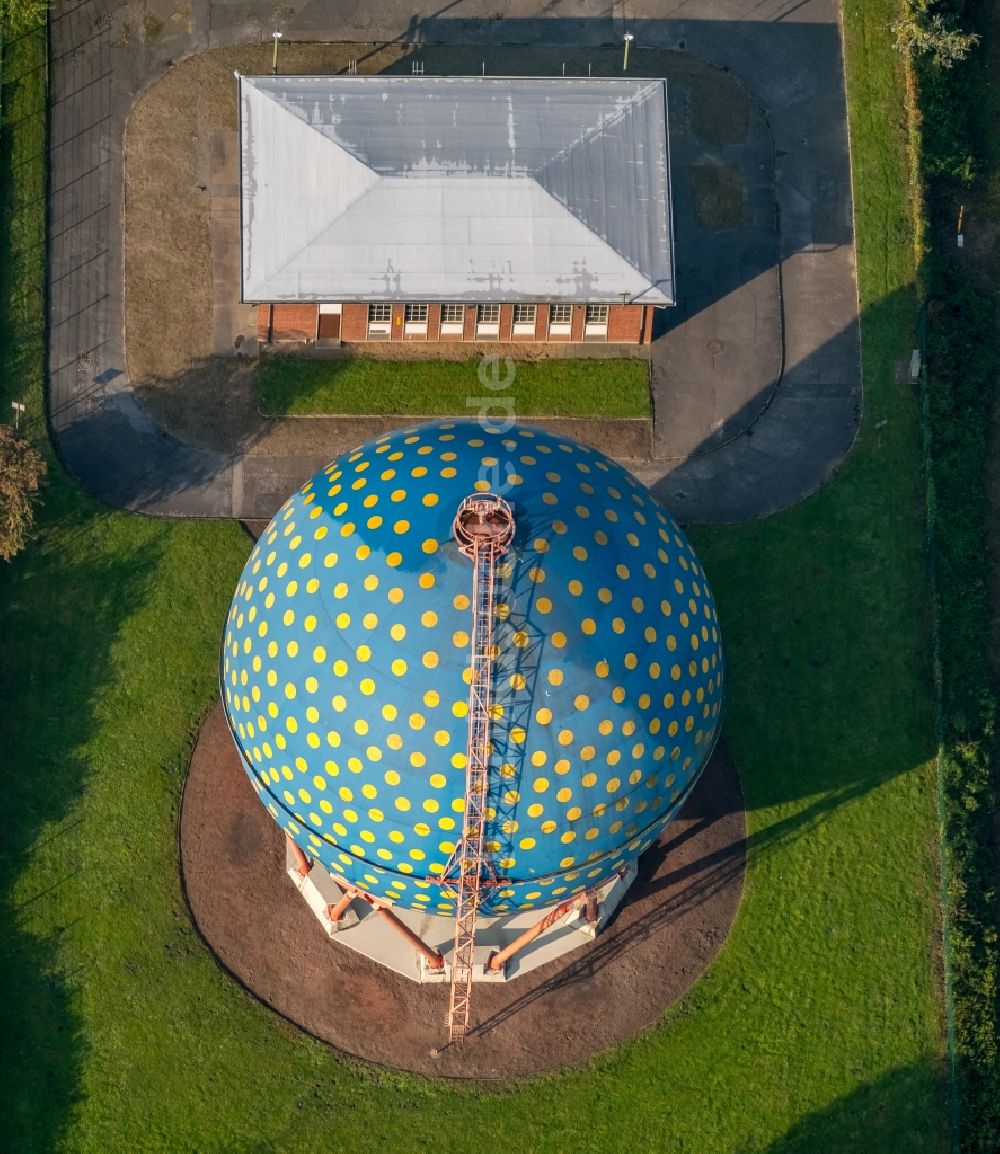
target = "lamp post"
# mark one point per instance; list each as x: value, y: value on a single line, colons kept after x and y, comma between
x: 274, y: 59
x: 628, y: 43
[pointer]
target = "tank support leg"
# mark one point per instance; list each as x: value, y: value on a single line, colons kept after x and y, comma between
x: 498, y: 960
x: 302, y: 864
x: 335, y: 911
x: 434, y: 960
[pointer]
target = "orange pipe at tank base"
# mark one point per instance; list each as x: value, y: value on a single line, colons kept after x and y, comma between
x: 433, y: 959
x: 302, y: 864
x: 498, y: 960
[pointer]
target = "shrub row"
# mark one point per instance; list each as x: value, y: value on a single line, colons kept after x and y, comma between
x: 961, y: 384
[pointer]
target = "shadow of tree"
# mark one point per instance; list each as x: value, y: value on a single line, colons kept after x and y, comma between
x: 889, y: 1114
x: 63, y: 603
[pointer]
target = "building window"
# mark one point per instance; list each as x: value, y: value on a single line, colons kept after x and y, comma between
x: 452, y: 314
x: 524, y: 314
x: 561, y: 314
x: 488, y: 315
x: 415, y: 314
x: 379, y: 314
x: 597, y: 315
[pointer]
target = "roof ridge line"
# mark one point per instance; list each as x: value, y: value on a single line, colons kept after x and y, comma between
x: 607, y: 244
x: 618, y: 114
x: 285, y: 108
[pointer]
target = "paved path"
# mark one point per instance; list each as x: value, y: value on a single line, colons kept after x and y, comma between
x: 736, y: 437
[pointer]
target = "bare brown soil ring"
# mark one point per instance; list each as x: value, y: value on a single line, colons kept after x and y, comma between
x: 673, y: 923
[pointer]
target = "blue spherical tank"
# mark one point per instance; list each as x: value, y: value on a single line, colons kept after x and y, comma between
x: 346, y: 666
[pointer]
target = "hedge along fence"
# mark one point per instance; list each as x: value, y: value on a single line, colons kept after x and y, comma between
x: 961, y: 397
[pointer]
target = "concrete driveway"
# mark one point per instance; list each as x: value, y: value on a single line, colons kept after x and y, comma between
x: 757, y: 374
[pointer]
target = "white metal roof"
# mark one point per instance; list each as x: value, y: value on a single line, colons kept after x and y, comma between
x: 455, y: 188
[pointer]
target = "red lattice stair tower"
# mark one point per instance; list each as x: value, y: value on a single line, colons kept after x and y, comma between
x: 484, y: 528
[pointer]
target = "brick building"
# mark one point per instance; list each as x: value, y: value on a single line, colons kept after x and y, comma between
x: 455, y: 208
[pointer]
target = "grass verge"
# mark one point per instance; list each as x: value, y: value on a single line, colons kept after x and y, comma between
x: 817, y: 1028
x: 292, y: 384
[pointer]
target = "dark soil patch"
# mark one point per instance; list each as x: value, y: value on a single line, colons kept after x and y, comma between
x: 671, y: 926
x: 719, y: 194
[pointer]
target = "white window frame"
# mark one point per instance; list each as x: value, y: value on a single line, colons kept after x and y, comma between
x: 415, y: 319
x: 379, y: 329
x: 491, y: 327
x: 560, y: 328
x: 451, y: 328
x: 525, y: 326
x: 595, y: 322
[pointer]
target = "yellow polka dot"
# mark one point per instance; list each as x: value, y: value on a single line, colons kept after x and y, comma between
x: 581, y: 701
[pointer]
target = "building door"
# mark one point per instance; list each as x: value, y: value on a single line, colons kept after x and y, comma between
x: 329, y: 322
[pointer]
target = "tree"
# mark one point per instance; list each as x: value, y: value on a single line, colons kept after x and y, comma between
x: 22, y: 469
x: 925, y: 32
x: 18, y: 15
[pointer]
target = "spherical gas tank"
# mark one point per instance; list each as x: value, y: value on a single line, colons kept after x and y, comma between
x: 347, y: 659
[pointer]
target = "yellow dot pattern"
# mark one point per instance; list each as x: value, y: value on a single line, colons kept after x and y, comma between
x: 345, y: 666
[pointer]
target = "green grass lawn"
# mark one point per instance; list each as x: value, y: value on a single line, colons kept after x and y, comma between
x: 817, y: 1029
x: 556, y: 388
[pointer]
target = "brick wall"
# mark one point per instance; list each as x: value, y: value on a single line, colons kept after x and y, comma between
x: 354, y: 322
x: 625, y: 324
x: 294, y: 322
x: 506, y: 322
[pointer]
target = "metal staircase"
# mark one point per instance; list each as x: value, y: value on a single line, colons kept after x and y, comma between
x: 484, y: 529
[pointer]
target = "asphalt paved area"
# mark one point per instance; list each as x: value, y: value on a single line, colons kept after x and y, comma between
x: 757, y: 377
